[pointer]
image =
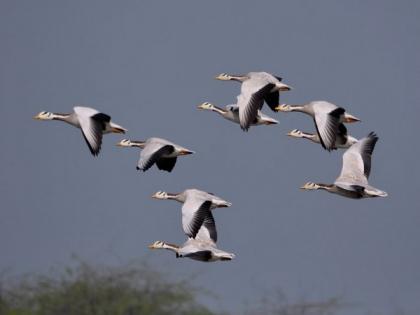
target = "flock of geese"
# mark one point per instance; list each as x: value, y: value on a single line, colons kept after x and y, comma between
x: 257, y: 88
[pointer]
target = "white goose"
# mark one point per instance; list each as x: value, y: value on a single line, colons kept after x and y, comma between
x: 256, y: 88
x: 342, y: 141
x: 156, y: 150
x: 327, y: 118
x: 353, y: 180
x: 197, y: 249
x: 91, y: 122
x: 231, y: 112
x: 198, y: 224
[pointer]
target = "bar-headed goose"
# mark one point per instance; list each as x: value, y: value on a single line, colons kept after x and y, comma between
x: 91, y: 122
x: 256, y: 88
x: 156, y: 150
x: 196, y: 210
x: 198, y: 224
x: 327, y: 118
x: 342, y: 140
x: 196, y: 249
x: 353, y: 180
x: 231, y: 112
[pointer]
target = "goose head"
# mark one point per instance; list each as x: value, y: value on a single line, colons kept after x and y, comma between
x: 295, y: 133
x: 163, y: 195
x: 157, y: 245
x: 124, y: 143
x: 310, y: 186
x: 129, y: 143
x: 283, y: 108
x: 44, y: 116
x: 160, y: 195
x: 223, y: 77
x: 206, y: 105
x: 228, y: 77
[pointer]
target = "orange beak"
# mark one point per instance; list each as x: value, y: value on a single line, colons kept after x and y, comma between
x: 118, y: 130
x: 186, y: 152
x: 350, y: 118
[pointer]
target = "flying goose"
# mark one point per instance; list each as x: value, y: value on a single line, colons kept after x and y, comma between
x: 327, y: 118
x: 156, y: 150
x: 342, y: 141
x: 195, y: 249
x: 231, y: 112
x: 93, y: 124
x: 196, y: 210
x: 199, y: 225
x: 353, y: 180
x: 256, y: 88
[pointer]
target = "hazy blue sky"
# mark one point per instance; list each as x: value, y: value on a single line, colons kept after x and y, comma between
x: 148, y: 65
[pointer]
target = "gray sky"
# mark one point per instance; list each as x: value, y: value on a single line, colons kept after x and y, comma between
x: 149, y: 65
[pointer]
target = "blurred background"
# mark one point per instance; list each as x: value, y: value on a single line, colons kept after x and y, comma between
x: 148, y: 65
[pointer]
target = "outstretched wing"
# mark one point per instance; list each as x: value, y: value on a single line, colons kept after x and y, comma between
x: 327, y: 125
x: 250, y: 101
x: 357, y: 161
x: 194, y: 213
x: 208, y: 232
x: 152, y: 153
x: 92, y: 123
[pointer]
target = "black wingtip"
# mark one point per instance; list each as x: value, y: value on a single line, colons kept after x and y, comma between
x: 337, y: 112
x: 373, y: 135
x: 93, y: 152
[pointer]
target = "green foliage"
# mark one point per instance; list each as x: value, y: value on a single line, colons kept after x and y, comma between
x: 85, y: 290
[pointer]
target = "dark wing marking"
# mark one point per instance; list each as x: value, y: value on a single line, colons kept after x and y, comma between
x: 93, y: 134
x: 210, y: 225
x: 101, y: 117
x: 255, y: 102
x: 319, y: 135
x: 327, y: 127
x: 201, y: 255
x: 366, y: 150
x: 272, y: 99
x: 144, y: 165
x: 337, y: 113
x: 342, y: 130
x: 198, y: 219
x: 341, y: 134
x: 95, y: 147
x: 359, y: 190
x: 278, y: 78
x: 166, y: 164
